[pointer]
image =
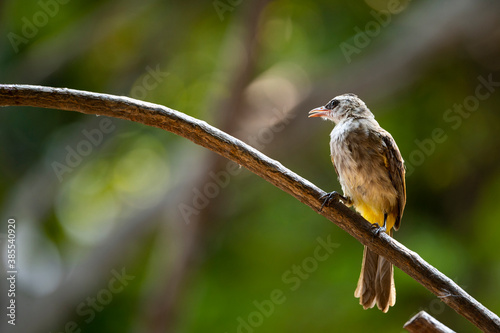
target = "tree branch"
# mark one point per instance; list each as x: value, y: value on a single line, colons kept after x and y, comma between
x: 424, y: 322
x: 272, y: 171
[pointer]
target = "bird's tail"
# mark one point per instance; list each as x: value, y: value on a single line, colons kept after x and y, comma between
x: 376, y: 282
x: 384, y: 285
x: 365, y: 290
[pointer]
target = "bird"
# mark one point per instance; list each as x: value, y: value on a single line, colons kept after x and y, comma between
x: 371, y: 172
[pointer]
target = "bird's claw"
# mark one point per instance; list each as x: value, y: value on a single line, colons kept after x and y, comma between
x: 378, y: 229
x: 329, y: 197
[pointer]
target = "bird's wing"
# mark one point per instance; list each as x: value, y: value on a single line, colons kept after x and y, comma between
x: 395, y: 166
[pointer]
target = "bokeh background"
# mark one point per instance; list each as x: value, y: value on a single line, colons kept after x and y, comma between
x: 199, y: 244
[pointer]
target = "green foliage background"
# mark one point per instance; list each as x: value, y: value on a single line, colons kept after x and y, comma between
x: 214, y: 265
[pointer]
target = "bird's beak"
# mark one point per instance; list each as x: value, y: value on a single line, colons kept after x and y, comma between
x: 319, y: 112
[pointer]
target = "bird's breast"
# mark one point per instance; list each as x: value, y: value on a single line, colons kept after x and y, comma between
x: 358, y: 155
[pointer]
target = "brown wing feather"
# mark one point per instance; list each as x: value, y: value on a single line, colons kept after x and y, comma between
x: 396, y: 169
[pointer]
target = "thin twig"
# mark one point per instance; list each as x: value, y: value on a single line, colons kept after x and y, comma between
x: 272, y: 171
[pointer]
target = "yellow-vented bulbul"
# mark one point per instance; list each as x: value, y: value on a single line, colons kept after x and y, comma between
x: 371, y: 172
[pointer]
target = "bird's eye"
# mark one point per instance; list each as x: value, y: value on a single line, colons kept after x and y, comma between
x: 333, y: 103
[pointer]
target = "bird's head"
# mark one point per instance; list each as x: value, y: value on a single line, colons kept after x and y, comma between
x: 342, y: 107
